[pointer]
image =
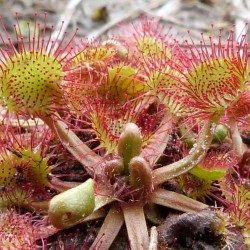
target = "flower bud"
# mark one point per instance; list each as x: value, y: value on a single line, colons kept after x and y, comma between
x: 221, y: 131
x: 68, y: 208
x: 130, y: 143
x: 140, y: 175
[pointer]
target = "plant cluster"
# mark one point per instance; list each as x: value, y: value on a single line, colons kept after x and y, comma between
x: 120, y: 130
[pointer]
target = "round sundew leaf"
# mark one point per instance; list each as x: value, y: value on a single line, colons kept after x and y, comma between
x: 193, y: 186
x: 30, y: 83
x: 114, y: 84
x: 213, y: 85
x: 107, y: 127
x: 25, y: 166
x: 206, y: 174
x: 98, y: 54
x: 159, y: 79
x: 166, y: 85
x: 122, y: 83
x: 15, y: 196
x: 90, y: 76
x: 151, y: 46
x: 18, y: 231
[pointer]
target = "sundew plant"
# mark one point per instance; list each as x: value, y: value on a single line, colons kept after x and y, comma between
x: 138, y: 135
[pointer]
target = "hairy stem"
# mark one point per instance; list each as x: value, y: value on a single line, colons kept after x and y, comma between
x: 101, y: 201
x: 39, y: 206
x: 60, y: 185
x: 192, y: 159
x: 96, y: 215
x: 153, y: 244
x: 109, y: 230
x: 152, y: 152
x: 176, y: 201
x: 136, y: 226
x: 87, y: 157
x: 236, y: 138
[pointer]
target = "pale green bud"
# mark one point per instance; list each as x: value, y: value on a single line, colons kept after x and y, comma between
x: 70, y: 207
x: 130, y: 143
